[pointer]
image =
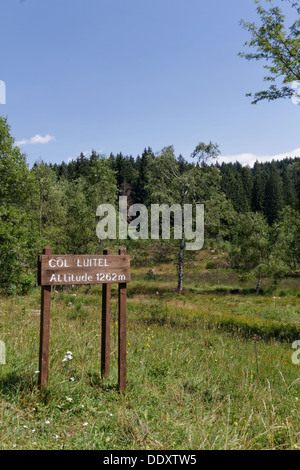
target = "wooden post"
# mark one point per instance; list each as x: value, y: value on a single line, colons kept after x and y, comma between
x: 122, y: 359
x: 44, y: 330
x: 105, y: 334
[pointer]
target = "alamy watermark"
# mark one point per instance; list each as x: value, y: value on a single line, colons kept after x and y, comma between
x: 2, y: 353
x: 160, y: 221
x: 2, y: 92
x: 296, y: 95
x: 296, y: 354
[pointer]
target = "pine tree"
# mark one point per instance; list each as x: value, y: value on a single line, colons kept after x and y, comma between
x: 273, y: 202
x: 259, y: 187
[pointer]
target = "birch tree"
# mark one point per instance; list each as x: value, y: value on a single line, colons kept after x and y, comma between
x: 171, y: 182
x: 277, y: 45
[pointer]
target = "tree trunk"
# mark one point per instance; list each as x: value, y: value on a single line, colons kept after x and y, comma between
x: 180, y: 265
x: 182, y: 244
x: 294, y: 260
x: 258, y: 284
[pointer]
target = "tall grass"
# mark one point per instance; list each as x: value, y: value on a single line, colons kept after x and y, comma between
x: 198, y: 377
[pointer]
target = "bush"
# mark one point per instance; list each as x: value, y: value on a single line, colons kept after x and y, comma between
x: 151, y: 275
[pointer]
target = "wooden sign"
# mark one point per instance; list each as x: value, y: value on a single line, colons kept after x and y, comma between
x: 57, y: 270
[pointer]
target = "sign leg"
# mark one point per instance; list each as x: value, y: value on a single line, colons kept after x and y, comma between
x: 122, y: 332
x: 44, y: 331
x: 105, y: 336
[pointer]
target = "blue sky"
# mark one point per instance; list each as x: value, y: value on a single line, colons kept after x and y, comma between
x: 122, y: 75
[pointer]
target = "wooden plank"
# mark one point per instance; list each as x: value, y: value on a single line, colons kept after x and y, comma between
x: 122, y: 359
x: 84, y: 269
x: 44, y: 331
x: 105, y: 333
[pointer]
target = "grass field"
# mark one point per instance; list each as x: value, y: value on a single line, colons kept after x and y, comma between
x: 210, y: 368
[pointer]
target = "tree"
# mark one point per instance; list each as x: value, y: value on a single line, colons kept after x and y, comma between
x: 139, y: 188
x: 264, y: 251
x: 291, y: 184
x: 251, y: 246
x: 259, y: 186
x: 286, y: 238
x: 49, y: 206
x: 84, y: 195
x: 19, y: 237
x: 172, y: 182
x: 278, y: 46
x: 273, y: 202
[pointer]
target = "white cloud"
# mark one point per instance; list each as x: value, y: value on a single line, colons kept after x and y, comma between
x: 37, y: 139
x: 251, y: 158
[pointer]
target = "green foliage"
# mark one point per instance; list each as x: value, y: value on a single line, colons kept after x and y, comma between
x: 277, y: 45
x: 251, y: 241
x: 151, y: 275
x: 49, y: 206
x: 19, y: 241
x: 56, y: 205
x: 251, y: 245
x: 273, y: 202
x: 286, y: 238
x: 263, y: 250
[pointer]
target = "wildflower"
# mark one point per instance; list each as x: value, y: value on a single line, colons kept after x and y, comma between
x: 85, y: 424
x: 47, y: 422
x: 72, y: 379
x: 67, y: 357
x: 69, y: 399
x: 26, y: 427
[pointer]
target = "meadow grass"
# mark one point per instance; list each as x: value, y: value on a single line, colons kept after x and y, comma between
x: 207, y: 369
